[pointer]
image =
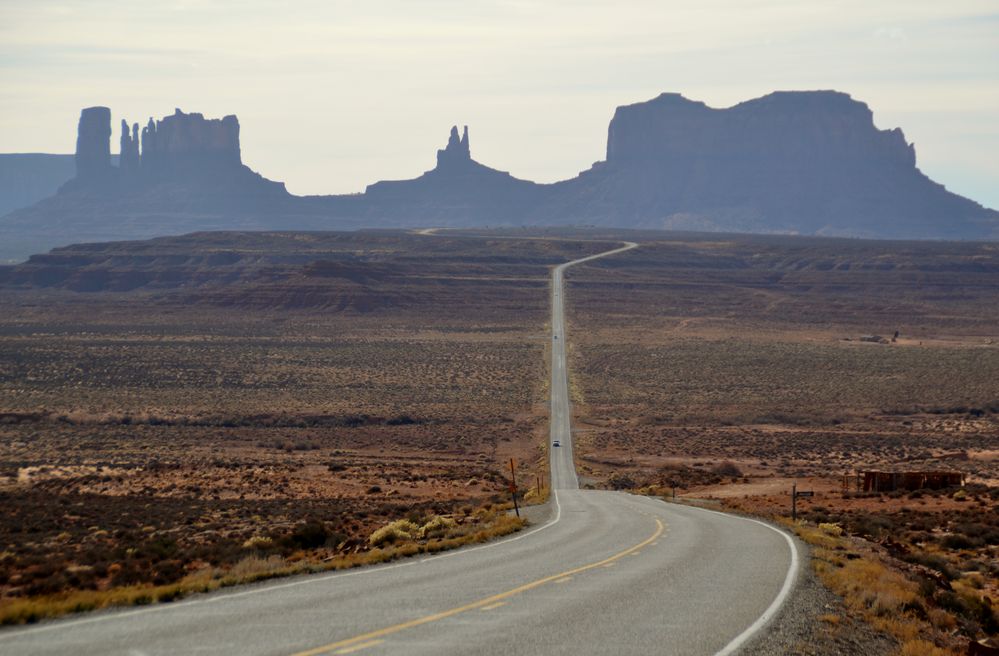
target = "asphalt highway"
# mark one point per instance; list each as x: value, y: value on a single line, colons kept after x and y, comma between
x: 607, y: 573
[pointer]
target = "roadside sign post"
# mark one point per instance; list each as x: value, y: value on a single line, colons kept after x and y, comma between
x: 804, y: 494
x: 513, y: 487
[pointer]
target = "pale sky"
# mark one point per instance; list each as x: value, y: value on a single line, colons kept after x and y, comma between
x: 334, y: 95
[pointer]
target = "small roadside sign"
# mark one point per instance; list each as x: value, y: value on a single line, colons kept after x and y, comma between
x: 795, y: 495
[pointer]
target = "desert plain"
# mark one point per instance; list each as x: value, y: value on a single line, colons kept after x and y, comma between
x: 226, y: 403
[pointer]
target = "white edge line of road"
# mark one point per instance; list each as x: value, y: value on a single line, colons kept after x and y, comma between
x: 739, y: 641
x: 111, y: 615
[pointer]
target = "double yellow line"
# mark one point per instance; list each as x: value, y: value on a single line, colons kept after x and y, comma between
x: 374, y: 637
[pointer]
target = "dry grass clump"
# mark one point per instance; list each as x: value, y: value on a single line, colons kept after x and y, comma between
x: 258, y: 542
x: 437, y: 527
x: 831, y: 529
x: 535, y: 497
x: 398, y: 531
x: 871, y: 588
x: 922, y: 648
x: 882, y: 596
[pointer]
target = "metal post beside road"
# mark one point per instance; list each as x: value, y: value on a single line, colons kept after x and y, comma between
x: 513, y: 487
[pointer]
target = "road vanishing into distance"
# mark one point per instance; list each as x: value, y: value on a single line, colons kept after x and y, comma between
x: 608, y: 573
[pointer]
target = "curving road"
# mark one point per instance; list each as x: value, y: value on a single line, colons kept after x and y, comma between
x: 609, y: 573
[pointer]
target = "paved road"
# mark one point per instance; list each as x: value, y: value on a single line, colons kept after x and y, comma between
x: 610, y: 573
x: 563, y: 469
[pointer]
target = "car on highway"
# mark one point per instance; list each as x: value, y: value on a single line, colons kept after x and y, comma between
x: 556, y: 443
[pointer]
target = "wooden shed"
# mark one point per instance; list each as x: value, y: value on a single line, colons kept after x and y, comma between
x: 879, y: 481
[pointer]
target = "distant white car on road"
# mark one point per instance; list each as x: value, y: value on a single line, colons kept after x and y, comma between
x: 556, y: 443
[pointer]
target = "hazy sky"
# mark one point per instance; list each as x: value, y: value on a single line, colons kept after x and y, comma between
x: 333, y: 95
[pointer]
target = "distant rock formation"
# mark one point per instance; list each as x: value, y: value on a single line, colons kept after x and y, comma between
x: 93, y: 145
x: 456, y: 190
x: 188, y: 149
x: 802, y: 162
x: 780, y: 128
x: 807, y: 162
x: 179, y: 174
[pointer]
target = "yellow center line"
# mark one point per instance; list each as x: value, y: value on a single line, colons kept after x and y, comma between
x: 496, y: 605
x: 363, y: 645
x: 368, y: 638
x: 564, y: 579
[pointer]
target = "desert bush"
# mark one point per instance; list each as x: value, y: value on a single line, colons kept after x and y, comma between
x: 873, y: 526
x: 619, y: 481
x: 933, y: 561
x: 956, y: 542
x: 309, y: 535
x: 968, y: 608
x: 727, y: 469
x: 437, y: 527
x: 831, y: 529
x: 252, y: 568
x: 399, y: 530
x: 259, y: 542
x: 401, y: 420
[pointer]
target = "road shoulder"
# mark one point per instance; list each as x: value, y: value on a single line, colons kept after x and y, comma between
x: 813, y: 622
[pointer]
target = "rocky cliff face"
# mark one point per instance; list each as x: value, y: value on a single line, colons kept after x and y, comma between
x: 781, y: 128
x: 200, y: 154
x: 183, y: 143
x: 798, y: 162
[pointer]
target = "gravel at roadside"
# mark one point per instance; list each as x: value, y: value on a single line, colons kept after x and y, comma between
x: 813, y: 622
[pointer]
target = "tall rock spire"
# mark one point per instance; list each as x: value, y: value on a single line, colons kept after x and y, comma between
x: 128, y: 160
x: 456, y: 153
x: 148, y: 143
x: 93, y: 144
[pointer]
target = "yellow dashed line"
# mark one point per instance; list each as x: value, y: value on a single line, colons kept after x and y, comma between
x: 363, y: 645
x: 370, y: 639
